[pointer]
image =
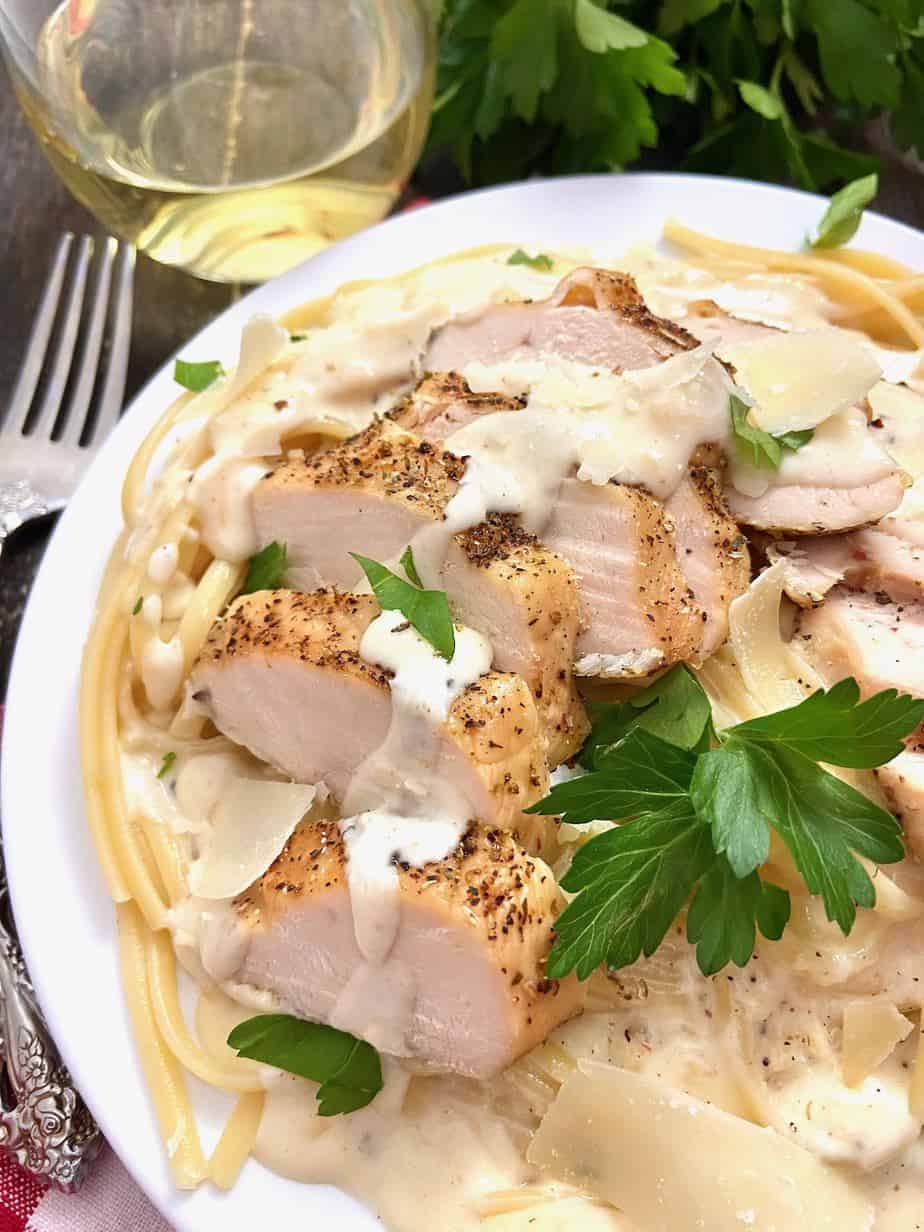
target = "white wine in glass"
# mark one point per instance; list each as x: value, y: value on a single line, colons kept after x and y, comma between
x: 232, y: 138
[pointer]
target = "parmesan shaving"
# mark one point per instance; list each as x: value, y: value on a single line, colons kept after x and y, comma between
x: 773, y: 671
x: 253, y: 821
x: 872, y: 1029
x: 799, y: 380
x: 675, y: 1164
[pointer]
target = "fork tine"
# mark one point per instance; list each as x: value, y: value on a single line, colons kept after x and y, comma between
x: 88, y: 363
x: 61, y: 364
x: 110, y: 403
x: 24, y: 392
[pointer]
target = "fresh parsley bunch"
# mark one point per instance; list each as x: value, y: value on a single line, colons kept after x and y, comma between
x: 698, y: 808
x: 747, y: 87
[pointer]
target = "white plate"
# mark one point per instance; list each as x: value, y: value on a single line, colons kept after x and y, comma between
x: 64, y: 916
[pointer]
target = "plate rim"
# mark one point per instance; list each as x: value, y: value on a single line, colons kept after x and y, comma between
x: 297, y: 286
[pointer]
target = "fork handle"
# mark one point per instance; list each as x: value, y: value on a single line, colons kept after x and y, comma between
x: 44, y: 1122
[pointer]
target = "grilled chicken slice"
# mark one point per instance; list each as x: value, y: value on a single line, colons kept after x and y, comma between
x: 523, y: 597
x: 712, y: 552
x: 879, y: 642
x: 882, y: 645
x: 373, y: 493
x: 639, y: 611
x: 443, y: 403
x: 370, y: 494
x: 592, y: 317
x: 463, y: 987
x: 281, y: 675
x: 878, y: 560
x: 807, y: 509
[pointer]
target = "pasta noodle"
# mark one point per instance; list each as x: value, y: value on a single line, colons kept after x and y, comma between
x: 135, y: 714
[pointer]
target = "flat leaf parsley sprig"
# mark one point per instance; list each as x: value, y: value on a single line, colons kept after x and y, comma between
x: 697, y: 809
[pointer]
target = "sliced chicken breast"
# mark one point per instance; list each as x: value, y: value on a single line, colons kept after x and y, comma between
x: 370, y: 495
x: 807, y: 509
x: 886, y: 558
x: 280, y: 673
x: 712, y: 552
x: 463, y: 987
x: 592, y: 317
x: 639, y: 611
x: 879, y: 642
x: 523, y: 597
x: 443, y: 403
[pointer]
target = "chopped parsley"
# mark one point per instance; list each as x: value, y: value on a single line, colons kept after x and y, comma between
x: 197, y: 377
x: 756, y: 447
x: 845, y: 212
x: 266, y: 570
x: 539, y: 262
x: 139, y: 604
x: 165, y: 765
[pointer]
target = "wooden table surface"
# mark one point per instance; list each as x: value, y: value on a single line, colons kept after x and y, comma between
x: 169, y: 306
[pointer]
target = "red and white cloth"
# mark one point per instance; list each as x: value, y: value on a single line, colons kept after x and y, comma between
x: 110, y: 1201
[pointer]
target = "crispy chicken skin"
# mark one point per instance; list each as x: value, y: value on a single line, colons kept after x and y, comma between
x: 281, y: 674
x: 466, y: 974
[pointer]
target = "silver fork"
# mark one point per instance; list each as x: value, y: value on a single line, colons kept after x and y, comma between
x: 70, y: 387
x: 67, y: 398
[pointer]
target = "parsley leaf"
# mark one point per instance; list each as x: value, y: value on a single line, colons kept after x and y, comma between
x: 675, y: 708
x: 632, y: 882
x: 139, y: 604
x: 348, y: 1070
x: 756, y: 447
x: 727, y: 911
x: 297, y: 337
x: 857, y: 50
x: 697, y: 822
x: 169, y: 759
x: 427, y: 610
x: 540, y: 261
x: 266, y: 570
x: 600, y: 31
x: 760, y: 99
x: 836, y: 727
x: 639, y: 774
x: 197, y: 377
x: 407, y: 564
x: 845, y: 210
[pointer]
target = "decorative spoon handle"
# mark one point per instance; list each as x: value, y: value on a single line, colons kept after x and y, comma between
x: 44, y: 1123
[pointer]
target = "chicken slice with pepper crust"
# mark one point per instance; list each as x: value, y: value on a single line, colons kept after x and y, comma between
x: 281, y: 675
x: 463, y: 987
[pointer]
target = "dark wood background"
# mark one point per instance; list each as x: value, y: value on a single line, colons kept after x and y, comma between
x: 169, y: 306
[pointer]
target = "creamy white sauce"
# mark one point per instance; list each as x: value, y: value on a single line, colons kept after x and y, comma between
x: 162, y: 563
x: 161, y: 670
x: 401, y: 804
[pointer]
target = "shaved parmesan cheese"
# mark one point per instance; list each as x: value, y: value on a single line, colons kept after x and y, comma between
x: 675, y: 1164
x: 253, y: 821
x: 772, y: 670
x: 872, y: 1028
x: 799, y: 380
x: 262, y: 342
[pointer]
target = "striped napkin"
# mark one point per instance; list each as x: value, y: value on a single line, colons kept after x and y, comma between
x: 109, y: 1201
